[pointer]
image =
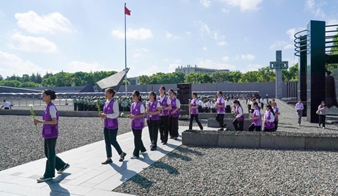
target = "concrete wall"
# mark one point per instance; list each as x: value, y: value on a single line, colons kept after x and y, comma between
x: 262, y: 87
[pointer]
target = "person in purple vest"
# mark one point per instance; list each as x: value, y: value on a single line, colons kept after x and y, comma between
x: 220, y: 108
x: 194, y: 111
x: 277, y: 113
x: 153, y: 109
x: 50, y: 133
x: 137, y: 113
x: 110, y: 115
x: 269, y: 119
x: 239, y: 116
x: 164, y: 115
x: 174, y: 113
x: 256, y: 118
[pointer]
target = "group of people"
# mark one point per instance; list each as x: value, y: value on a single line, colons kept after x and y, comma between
x: 321, y: 111
x: 269, y: 122
x: 161, y: 113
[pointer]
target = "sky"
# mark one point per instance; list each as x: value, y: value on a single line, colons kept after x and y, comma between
x: 83, y: 35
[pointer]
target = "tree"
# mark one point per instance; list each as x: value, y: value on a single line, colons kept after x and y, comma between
x: 234, y: 76
x: 143, y: 80
x: 250, y: 76
x: 38, y: 78
x: 220, y: 76
x: 291, y: 74
x: 1, y: 78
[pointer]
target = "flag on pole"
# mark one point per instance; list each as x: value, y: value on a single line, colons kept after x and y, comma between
x: 126, y: 11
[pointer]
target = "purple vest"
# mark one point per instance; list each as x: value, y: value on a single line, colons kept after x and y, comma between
x: 256, y: 113
x: 164, y: 104
x: 276, y: 110
x: 173, y: 107
x: 50, y: 131
x: 193, y: 103
x: 136, y: 123
x: 267, y: 116
x: 219, y: 102
x: 153, y: 108
x: 108, y: 122
x: 237, y: 112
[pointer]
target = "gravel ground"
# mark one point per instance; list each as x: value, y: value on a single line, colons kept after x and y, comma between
x: 220, y: 171
x: 20, y: 142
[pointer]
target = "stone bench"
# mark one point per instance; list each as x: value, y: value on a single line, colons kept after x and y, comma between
x: 261, y: 140
x: 228, y: 120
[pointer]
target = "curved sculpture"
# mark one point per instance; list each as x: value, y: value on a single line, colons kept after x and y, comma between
x: 330, y: 91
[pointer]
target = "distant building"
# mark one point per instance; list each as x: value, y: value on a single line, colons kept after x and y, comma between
x: 190, y: 69
x: 133, y: 80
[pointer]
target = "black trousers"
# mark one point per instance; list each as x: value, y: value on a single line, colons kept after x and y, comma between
x: 173, y: 126
x: 75, y: 106
x: 164, y: 129
x: 276, y: 125
x: 53, y: 162
x: 262, y: 105
x: 238, y: 125
x: 220, y: 120
x: 227, y: 109
x: 192, y: 116
x: 253, y: 127
x: 138, y: 142
x: 269, y: 130
x: 322, y: 120
x: 249, y: 107
x: 153, y: 131
x: 110, y: 139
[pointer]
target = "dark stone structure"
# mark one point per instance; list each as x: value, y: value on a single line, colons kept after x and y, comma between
x: 88, y: 88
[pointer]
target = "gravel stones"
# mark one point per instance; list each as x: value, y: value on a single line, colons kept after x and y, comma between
x: 220, y: 171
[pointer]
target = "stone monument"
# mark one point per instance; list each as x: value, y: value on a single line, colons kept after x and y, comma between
x: 279, y: 65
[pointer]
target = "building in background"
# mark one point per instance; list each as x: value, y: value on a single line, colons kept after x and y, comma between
x: 133, y: 81
x: 190, y: 69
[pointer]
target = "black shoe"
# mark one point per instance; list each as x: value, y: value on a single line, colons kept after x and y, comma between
x: 64, y: 168
x: 225, y: 125
x: 221, y: 129
x: 123, y: 154
x: 175, y: 138
x: 171, y: 137
x: 44, y: 179
x: 107, y: 161
x: 164, y: 143
x: 153, y: 148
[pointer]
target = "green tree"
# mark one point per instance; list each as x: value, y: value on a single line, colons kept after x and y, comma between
x: 250, y: 76
x: 234, y: 76
x: 1, y: 78
x: 220, y: 76
x: 143, y: 80
x: 291, y: 74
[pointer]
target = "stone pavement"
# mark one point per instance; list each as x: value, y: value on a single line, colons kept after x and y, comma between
x: 86, y: 176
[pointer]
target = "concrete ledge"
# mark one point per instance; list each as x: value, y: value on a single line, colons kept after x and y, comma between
x: 200, y: 138
x: 213, y: 115
x: 261, y: 140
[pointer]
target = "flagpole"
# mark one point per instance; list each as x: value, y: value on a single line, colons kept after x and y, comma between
x: 125, y: 48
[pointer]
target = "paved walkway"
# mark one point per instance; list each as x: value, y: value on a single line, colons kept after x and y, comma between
x: 86, y: 176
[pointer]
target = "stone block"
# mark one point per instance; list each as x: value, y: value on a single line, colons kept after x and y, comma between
x: 321, y: 143
x: 282, y: 142
x: 238, y: 141
x: 200, y: 138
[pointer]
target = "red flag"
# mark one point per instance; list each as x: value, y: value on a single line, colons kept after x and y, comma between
x: 126, y: 11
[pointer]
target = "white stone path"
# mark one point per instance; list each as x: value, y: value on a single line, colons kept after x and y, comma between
x: 86, y: 175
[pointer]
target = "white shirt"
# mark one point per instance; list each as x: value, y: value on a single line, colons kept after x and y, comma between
x: 261, y: 100
x: 178, y: 103
x: 240, y: 112
x: 115, y: 108
x: 272, y: 117
x: 168, y: 100
x: 228, y: 103
x: 52, y: 111
x: 200, y: 102
x: 6, y: 104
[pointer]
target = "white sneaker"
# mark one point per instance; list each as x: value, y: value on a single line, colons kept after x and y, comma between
x: 323, y: 127
x: 143, y: 153
x: 44, y: 179
x: 134, y: 157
